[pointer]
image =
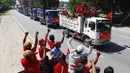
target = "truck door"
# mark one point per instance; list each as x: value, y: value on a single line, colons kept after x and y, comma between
x: 89, y: 29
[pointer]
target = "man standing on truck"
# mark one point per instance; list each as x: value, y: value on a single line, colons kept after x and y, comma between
x: 75, y: 54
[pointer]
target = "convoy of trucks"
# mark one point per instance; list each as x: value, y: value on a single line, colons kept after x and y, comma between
x: 97, y: 29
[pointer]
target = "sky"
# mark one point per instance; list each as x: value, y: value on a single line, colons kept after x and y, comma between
x: 64, y: 0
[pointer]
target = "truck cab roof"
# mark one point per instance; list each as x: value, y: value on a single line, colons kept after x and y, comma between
x: 96, y: 18
x: 51, y: 10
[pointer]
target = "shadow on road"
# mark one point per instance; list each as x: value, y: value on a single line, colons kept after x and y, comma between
x: 122, y: 25
x: 111, y: 48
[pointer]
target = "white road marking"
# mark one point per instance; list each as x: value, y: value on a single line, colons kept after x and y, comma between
x: 22, y: 28
x: 124, y: 37
x: 128, y: 48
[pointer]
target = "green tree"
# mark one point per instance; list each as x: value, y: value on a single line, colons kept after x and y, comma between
x: 5, y: 4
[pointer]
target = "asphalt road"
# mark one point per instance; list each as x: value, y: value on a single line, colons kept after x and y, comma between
x: 115, y: 54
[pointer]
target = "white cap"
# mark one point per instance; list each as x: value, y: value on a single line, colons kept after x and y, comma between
x: 82, y: 49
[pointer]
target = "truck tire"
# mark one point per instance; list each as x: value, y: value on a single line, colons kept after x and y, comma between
x: 31, y: 16
x: 34, y: 18
x: 41, y: 21
x: 66, y: 31
x: 85, y: 41
x: 46, y: 23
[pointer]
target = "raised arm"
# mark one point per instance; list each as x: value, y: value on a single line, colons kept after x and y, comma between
x: 44, y: 44
x: 69, y: 42
x: 90, y: 48
x: 36, y: 40
x: 96, y: 59
x: 62, y: 40
x: 48, y: 30
x: 26, y: 34
x: 93, y: 67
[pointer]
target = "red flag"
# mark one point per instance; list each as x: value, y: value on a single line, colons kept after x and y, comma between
x: 79, y: 8
x: 55, y: 7
x: 109, y: 16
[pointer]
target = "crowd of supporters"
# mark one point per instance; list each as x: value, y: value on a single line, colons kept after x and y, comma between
x: 74, y: 61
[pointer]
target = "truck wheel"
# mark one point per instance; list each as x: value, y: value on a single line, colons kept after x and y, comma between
x: 66, y: 33
x: 41, y: 21
x: 34, y: 18
x: 46, y: 23
x: 85, y: 40
x: 31, y: 17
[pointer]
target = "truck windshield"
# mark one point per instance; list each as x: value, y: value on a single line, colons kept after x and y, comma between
x: 53, y: 13
x: 103, y: 25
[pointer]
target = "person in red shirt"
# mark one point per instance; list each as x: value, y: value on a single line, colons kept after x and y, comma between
x: 84, y: 61
x: 45, y: 64
x: 29, y: 63
x: 28, y: 45
x: 62, y: 66
x: 51, y: 41
x: 41, y: 43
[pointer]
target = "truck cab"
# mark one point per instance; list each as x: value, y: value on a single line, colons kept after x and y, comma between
x: 51, y: 17
x: 34, y: 14
x: 97, y: 29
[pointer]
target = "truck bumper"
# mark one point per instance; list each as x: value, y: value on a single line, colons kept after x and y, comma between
x: 99, y: 42
x: 52, y: 24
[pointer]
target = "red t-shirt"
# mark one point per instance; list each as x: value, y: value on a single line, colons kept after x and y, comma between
x: 51, y: 44
x: 30, y: 66
x: 87, y: 69
x: 33, y: 50
x: 41, y: 52
x: 58, y: 68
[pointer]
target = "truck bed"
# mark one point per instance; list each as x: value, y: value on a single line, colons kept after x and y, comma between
x: 71, y: 24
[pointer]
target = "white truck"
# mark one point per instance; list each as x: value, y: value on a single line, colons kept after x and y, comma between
x: 96, y: 29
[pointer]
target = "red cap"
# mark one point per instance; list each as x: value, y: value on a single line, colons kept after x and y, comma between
x: 41, y: 41
x: 79, y: 64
